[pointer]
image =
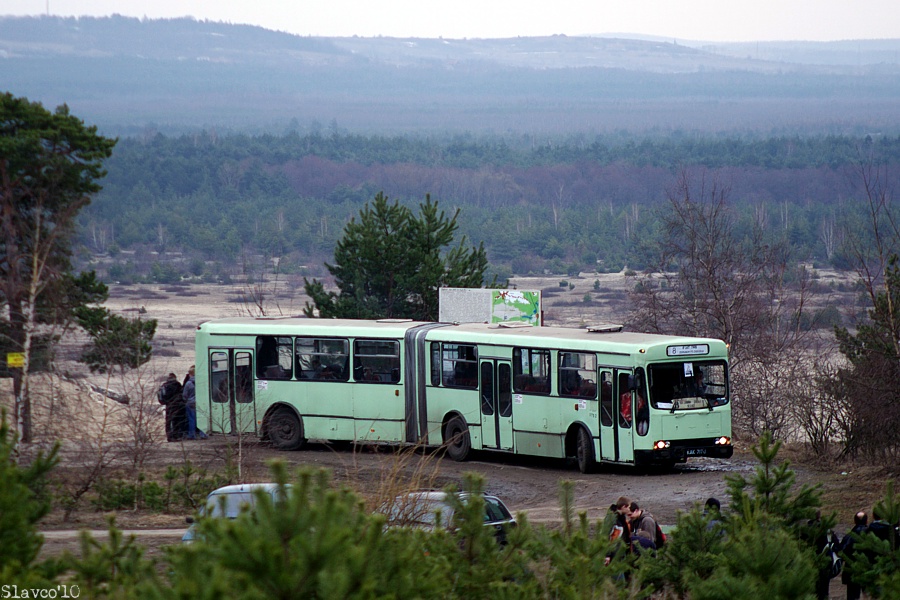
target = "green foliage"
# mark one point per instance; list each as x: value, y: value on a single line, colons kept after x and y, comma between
x: 112, y: 569
x: 391, y: 263
x: 877, y: 340
x: 315, y: 542
x: 771, y: 491
x: 692, y: 553
x: 763, y: 547
x: 867, y: 388
x: 115, y: 341
x: 759, y: 560
x: 117, y: 494
x: 875, y: 563
x: 570, y: 562
x: 318, y: 541
x: 23, y: 503
x: 164, y: 273
x: 49, y: 165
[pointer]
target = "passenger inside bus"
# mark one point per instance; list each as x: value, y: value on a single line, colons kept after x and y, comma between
x: 642, y: 414
x: 625, y: 409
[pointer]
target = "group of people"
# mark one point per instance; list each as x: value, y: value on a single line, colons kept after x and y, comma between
x: 880, y: 528
x: 634, y: 528
x: 180, y: 400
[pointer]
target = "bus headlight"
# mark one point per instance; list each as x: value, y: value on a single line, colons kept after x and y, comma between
x: 723, y: 441
x: 661, y: 445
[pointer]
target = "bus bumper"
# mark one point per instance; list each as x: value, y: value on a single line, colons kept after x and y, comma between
x: 681, y: 450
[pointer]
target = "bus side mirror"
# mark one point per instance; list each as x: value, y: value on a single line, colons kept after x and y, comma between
x: 636, y: 381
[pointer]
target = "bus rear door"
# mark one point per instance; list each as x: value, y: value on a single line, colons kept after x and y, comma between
x: 496, y: 405
x: 232, y: 402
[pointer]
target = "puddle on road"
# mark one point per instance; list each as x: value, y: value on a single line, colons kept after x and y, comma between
x: 707, y: 465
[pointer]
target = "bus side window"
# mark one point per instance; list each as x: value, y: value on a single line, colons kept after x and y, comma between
x: 606, y: 399
x: 435, y: 363
x: 376, y: 361
x: 274, y: 357
x: 536, y: 365
x: 460, y: 365
x: 322, y: 359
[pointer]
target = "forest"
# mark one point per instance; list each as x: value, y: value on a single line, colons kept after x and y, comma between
x: 211, y: 207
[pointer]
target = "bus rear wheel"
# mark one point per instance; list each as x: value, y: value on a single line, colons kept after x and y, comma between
x: 584, y: 452
x: 456, y: 438
x: 285, y: 430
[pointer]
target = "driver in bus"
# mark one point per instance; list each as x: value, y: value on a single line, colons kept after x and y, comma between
x: 695, y: 388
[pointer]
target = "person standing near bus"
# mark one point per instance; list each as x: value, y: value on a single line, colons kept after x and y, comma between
x: 190, y: 406
x: 169, y: 395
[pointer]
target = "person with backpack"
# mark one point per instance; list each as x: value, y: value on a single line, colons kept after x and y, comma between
x: 170, y: 396
x: 643, y: 521
x: 830, y: 563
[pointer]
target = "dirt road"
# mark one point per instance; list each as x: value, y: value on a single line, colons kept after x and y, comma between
x: 527, y: 484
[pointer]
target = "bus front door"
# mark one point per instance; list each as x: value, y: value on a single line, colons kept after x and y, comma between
x: 624, y: 417
x: 496, y: 405
x: 232, y: 405
x: 616, y: 419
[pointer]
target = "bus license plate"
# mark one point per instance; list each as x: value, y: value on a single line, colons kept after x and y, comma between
x: 696, y: 452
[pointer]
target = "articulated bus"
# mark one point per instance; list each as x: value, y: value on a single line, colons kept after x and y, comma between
x: 599, y: 395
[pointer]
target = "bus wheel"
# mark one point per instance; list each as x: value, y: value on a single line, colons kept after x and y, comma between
x: 584, y: 452
x: 456, y: 438
x: 285, y: 430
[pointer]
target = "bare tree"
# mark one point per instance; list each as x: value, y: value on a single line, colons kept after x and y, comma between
x: 867, y: 386
x: 717, y: 277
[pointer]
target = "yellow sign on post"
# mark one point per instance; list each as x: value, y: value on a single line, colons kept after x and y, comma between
x: 15, y: 360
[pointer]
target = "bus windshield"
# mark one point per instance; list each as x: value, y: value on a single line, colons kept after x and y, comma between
x: 688, y: 385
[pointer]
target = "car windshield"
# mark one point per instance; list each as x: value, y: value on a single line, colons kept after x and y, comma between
x: 228, y: 505
x: 228, y: 502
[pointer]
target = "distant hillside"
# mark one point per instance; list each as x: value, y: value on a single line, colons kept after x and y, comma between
x: 131, y: 76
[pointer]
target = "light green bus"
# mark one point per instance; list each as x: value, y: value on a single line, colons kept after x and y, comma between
x: 599, y: 394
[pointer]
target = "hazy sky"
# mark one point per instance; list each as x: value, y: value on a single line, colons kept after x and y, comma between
x: 714, y: 20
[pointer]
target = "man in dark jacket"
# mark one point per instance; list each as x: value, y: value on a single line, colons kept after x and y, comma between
x: 860, y: 520
x: 169, y: 395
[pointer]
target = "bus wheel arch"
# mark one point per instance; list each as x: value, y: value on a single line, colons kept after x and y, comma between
x: 580, y: 444
x: 283, y: 428
x: 457, y: 441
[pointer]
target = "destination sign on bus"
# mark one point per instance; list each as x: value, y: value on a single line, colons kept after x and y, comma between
x: 691, y: 350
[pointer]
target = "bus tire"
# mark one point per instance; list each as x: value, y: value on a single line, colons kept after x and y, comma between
x: 285, y: 430
x: 584, y: 451
x: 456, y: 439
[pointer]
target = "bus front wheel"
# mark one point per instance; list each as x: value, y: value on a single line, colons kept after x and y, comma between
x: 584, y: 452
x: 285, y: 430
x: 456, y: 437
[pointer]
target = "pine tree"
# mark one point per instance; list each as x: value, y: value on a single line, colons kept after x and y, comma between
x: 23, y: 503
x: 391, y: 264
